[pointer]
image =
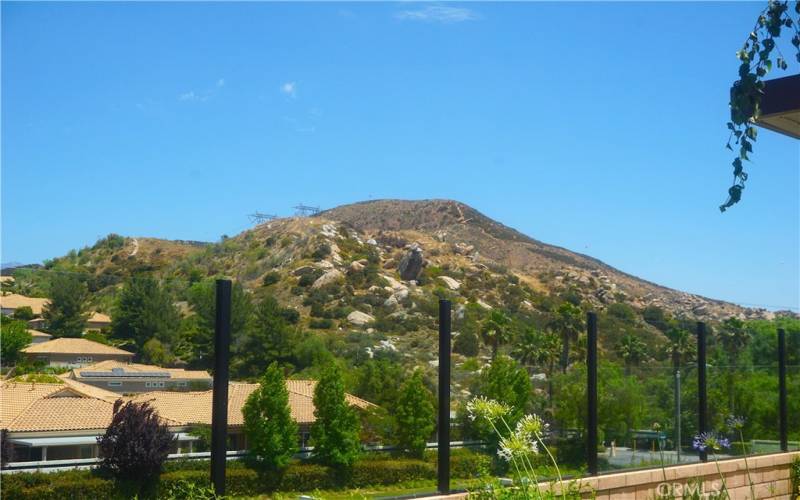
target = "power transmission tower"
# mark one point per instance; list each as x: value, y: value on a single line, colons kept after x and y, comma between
x: 305, y: 210
x: 258, y: 217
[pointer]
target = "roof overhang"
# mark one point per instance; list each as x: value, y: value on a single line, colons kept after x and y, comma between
x: 780, y: 106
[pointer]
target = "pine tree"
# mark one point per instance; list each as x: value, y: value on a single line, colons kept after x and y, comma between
x: 144, y: 310
x: 66, y: 313
x: 271, y: 431
x: 335, y: 433
x: 414, y: 415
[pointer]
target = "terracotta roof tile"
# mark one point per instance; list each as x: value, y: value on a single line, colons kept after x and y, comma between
x: 133, y: 368
x: 14, y: 301
x: 74, y: 346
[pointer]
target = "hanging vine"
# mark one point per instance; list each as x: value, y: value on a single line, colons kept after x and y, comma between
x: 756, y: 58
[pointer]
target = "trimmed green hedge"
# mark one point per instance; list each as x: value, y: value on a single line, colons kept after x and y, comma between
x: 241, y: 480
x: 44, y: 486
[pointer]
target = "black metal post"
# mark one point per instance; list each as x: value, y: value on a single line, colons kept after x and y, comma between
x: 443, y: 423
x: 702, y: 395
x: 591, y: 391
x: 219, y: 411
x: 783, y: 425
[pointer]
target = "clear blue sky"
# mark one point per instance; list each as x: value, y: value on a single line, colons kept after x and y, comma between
x: 597, y: 127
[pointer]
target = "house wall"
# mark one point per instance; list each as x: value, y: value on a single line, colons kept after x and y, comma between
x: 58, y: 359
x: 129, y: 386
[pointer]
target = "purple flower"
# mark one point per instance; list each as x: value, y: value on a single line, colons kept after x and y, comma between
x: 735, y: 423
x: 709, y: 440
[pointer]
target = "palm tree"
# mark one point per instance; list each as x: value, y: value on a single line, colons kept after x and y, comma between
x: 734, y: 338
x: 681, y: 345
x: 568, y: 321
x: 539, y: 348
x: 495, y: 330
x: 632, y: 351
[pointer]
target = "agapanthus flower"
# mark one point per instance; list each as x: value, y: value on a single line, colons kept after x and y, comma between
x: 735, y: 422
x: 531, y: 426
x: 710, y: 441
x: 516, y: 445
x: 489, y: 409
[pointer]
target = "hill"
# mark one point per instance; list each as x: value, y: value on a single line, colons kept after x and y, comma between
x: 368, y: 277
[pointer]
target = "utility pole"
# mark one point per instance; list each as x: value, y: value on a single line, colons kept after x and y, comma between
x: 678, y: 413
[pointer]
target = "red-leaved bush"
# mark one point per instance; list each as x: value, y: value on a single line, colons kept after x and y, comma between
x: 136, y: 442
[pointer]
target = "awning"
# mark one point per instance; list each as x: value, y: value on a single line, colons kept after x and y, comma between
x: 39, y: 442
x: 780, y: 106
x: 54, y: 441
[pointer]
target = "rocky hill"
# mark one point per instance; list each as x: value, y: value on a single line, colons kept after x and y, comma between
x: 450, y: 228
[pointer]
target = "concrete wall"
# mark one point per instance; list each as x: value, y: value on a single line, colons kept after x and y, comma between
x: 769, y: 473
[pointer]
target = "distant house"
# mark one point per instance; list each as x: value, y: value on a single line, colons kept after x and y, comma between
x: 74, y: 352
x: 133, y: 377
x: 38, y: 337
x: 10, y: 302
x: 58, y: 422
x: 98, y: 321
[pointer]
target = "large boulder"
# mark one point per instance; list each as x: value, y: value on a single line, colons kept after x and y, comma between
x: 451, y: 283
x: 359, y: 318
x: 331, y: 276
x: 412, y: 264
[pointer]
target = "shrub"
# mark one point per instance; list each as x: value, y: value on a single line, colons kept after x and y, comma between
x: 271, y: 278
x: 136, y: 443
x: 415, y: 415
x: 61, y: 486
x: 271, y: 431
x: 321, y: 323
x: 238, y: 481
x: 466, y: 344
x: 24, y: 313
x: 335, y: 433
x: 374, y: 472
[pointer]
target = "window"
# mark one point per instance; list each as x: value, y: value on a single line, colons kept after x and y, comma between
x: 115, y: 384
x: 154, y: 383
x: 84, y: 359
x: 86, y: 452
x: 182, y: 384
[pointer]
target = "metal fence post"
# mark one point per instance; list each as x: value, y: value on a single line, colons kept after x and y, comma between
x: 783, y: 425
x: 219, y: 410
x: 702, y: 395
x: 591, y: 391
x: 443, y: 422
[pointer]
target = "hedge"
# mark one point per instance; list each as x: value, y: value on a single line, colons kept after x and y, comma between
x: 241, y: 480
x: 48, y: 488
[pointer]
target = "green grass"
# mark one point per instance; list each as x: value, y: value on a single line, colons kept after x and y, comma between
x: 411, y: 488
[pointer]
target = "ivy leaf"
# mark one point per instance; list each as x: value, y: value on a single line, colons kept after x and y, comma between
x: 768, y: 64
x: 761, y: 71
x: 751, y: 132
x: 729, y: 146
x: 737, y: 167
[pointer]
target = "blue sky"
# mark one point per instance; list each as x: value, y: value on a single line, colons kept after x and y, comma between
x: 597, y: 127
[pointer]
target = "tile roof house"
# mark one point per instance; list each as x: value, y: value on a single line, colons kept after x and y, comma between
x: 124, y: 377
x: 74, y: 352
x: 98, y: 321
x: 62, y: 421
x: 10, y: 302
x: 38, y: 337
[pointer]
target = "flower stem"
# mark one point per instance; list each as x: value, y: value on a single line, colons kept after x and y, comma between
x: 746, y: 466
